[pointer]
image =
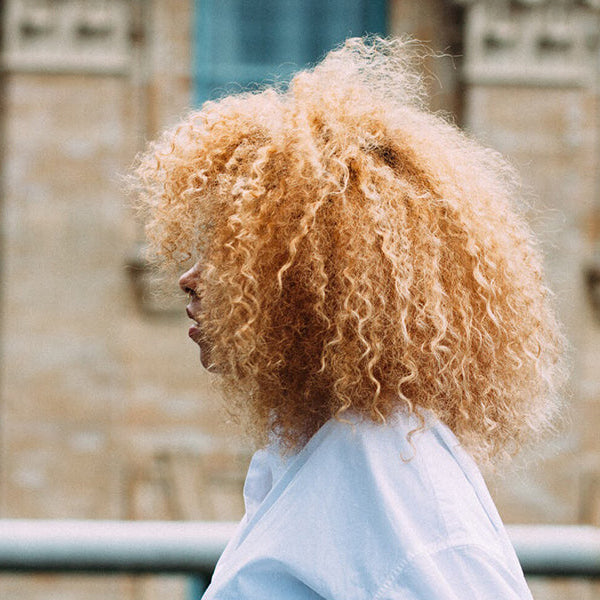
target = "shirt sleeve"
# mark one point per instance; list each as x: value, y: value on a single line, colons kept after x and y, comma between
x: 467, y: 572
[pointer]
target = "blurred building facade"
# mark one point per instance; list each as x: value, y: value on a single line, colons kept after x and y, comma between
x: 105, y: 413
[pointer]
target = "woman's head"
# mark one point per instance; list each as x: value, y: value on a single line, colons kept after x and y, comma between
x: 356, y: 253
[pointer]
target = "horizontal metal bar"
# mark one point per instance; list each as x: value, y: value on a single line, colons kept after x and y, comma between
x: 112, y: 546
x: 195, y: 546
x: 557, y: 550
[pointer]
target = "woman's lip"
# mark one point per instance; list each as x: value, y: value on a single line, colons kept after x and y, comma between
x: 195, y: 333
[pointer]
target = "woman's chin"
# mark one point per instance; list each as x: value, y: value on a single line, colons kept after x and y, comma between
x: 208, y: 365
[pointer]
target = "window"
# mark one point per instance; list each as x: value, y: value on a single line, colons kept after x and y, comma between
x: 240, y: 42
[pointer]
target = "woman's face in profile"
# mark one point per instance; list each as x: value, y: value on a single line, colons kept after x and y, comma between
x: 189, y: 283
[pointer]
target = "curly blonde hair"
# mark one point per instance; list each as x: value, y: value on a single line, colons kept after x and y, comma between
x: 359, y: 254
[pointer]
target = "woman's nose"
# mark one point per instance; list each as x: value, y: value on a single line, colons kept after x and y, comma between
x: 184, y: 281
x: 188, y: 282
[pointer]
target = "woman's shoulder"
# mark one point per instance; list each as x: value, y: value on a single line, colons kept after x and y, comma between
x: 403, y: 436
x: 413, y: 467
x: 401, y: 462
x: 366, y: 494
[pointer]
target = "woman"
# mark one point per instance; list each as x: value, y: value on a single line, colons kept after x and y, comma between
x: 372, y: 302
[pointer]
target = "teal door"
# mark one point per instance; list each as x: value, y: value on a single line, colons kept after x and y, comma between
x: 243, y: 42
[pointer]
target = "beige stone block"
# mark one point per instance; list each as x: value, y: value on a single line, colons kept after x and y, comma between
x: 589, y: 374
x: 149, y: 587
x: 541, y: 486
x: 176, y: 483
x: 66, y: 587
x: 529, y: 119
x: 61, y: 377
x: 57, y: 471
x: 587, y: 415
x: 543, y: 588
x: 170, y: 61
x: 166, y: 385
x: 437, y: 24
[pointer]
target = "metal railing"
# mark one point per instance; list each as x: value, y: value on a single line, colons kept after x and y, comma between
x: 193, y: 547
x: 112, y: 546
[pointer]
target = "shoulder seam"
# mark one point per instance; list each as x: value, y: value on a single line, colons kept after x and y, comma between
x: 430, y: 549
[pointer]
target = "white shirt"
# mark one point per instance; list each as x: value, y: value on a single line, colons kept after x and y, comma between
x: 349, y: 517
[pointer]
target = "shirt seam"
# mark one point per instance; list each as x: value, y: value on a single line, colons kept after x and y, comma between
x: 441, y: 514
x: 431, y: 550
x: 285, y: 482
